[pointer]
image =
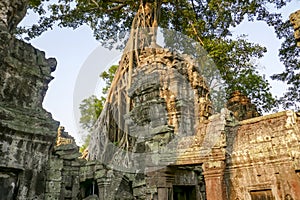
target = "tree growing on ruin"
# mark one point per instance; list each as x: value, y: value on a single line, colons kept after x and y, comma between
x: 207, y: 22
x: 91, y: 107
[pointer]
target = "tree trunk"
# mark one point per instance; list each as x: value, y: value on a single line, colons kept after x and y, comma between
x: 11, y: 13
x: 118, y: 103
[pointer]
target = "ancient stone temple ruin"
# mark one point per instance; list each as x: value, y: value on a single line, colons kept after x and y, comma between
x: 158, y: 137
x: 27, y: 131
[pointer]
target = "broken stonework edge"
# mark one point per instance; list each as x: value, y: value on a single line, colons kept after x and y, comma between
x: 27, y: 121
x: 265, y: 117
x: 66, y: 147
x: 70, y: 156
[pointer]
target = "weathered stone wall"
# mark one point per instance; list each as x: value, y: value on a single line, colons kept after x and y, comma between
x: 25, y: 74
x: 63, y: 169
x: 63, y: 173
x: 262, y: 158
x: 27, y: 131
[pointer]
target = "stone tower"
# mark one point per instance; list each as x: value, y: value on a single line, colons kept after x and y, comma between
x: 157, y: 97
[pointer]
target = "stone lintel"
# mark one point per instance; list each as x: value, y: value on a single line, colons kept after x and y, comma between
x: 198, y: 155
x: 162, y: 178
x: 104, y: 181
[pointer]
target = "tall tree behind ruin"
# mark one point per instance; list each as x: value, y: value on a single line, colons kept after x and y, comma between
x: 207, y: 22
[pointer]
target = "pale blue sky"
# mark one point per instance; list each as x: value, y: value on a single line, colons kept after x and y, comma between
x: 81, y: 60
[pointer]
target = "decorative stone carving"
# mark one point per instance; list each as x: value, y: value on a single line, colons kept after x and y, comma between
x: 241, y: 106
x: 63, y: 137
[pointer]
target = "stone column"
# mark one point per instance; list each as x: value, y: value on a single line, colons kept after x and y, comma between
x: 163, y: 193
x: 104, y: 188
x: 214, y: 180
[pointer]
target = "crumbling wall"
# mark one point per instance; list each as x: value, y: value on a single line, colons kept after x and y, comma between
x: 262, y: 158
x: 27, y: 131
x: 62, y: 181
x: 71, y: 177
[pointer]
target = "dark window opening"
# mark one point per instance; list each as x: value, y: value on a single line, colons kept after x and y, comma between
x: 262, y: 195
x: 88, y: 188
x: 8, y: 183
x: 184, y: 193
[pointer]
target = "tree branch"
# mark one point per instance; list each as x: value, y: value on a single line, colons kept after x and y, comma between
x: 116, y: 7
x: 196, y: 33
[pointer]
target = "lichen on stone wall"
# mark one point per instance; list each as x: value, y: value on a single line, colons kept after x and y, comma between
x: 27, y: 130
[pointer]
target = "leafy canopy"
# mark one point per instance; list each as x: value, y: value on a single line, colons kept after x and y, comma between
x: 206, y: 21
x: 107, y: 19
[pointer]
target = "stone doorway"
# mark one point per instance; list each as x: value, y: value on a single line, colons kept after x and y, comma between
x: 184, y: 192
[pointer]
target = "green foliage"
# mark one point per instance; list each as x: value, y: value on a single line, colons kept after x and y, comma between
x: 289, y: 54
x: 108, y: 19
x: 235, y: 60
x: 91, y: 107
x: 208, y: 22
x: 34, y: 3
x: 108, y: 77
x: 85, y: 144
x: 90, y: 110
